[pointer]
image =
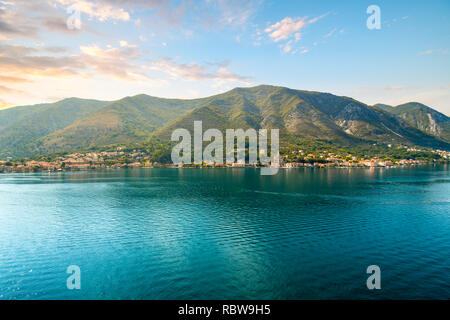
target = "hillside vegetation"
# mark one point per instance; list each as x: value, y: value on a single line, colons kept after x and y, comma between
x: 79, y: 124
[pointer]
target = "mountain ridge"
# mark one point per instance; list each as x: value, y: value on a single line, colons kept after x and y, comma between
x: 423, y: 118
x: 77, y: 124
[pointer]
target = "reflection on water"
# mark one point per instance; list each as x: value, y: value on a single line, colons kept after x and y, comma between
x: 226, y: 233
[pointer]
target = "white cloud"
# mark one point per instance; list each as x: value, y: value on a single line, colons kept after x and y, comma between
x: 101, y: 10
x: 283, y: 29
x: 287, y: 47
x: 125, y: 44
x: 30, y: 63
x: 290, y: 30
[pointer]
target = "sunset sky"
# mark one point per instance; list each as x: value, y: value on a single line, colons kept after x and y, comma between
x: 189, y: 49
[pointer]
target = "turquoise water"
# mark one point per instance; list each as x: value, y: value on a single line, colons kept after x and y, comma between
x: 226, y: 233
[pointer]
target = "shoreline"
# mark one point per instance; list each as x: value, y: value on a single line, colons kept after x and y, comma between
x: 39, y: 170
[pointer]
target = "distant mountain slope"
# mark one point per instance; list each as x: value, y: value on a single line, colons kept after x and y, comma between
x: 302, y: 114
x: 12, y: 115
x: 385, y: 107
x: 261, y: 107
x: 126, y: 121
x: 21, y: 127
x: 425, y: 119
x: 78, y: 124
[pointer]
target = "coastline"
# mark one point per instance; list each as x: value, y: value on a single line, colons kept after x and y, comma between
x: 12, y: 170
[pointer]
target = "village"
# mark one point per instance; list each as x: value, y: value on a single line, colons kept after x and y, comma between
x: 141, y: 159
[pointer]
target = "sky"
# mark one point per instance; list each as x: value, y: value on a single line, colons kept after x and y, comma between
x: 109, y: 49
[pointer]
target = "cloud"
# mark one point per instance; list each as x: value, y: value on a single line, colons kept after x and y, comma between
x: 125, y: 44
x: 289, y: 30
x: 116, y: 62
x: 283, y: 29
x: 329, y: 34
x: 427, y: 52
x: 58, y: 24
x: 168, y: 15
x: 7, y: 90
x: 164, y: 12
x: 313, y: 20
x: 5, y: 104
x: 191, y: 71
x: 28, y: 19
x: 91, y: 70
x: 287, y: 47
x: 219, y: 14
x: 223, y: 75
x: 194, y: 71
x: 10, y: 79
x: 16, y: 61
x: 27, y: 68
x: 288, y: 27
x: 236, y: 13
x: 100, y: 10
x: 13, y: 23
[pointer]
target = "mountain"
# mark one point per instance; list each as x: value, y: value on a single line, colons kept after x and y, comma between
x: 79, y: 124
x: 127, y: 121
x: 301, y: 114
x: 424, y: 118
x: 384, y: 107
x: 21, y: 127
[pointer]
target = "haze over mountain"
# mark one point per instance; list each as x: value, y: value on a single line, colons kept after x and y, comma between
x: 79, y: 124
